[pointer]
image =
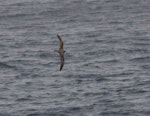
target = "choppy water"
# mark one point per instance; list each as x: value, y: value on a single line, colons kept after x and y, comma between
x: 107, y: 66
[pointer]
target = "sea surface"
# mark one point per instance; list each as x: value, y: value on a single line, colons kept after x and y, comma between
x: 107, y: 59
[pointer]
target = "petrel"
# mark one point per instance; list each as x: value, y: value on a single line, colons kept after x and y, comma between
x: 61, y: 52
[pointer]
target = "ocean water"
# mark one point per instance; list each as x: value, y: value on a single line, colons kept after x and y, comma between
x: 107, y: 60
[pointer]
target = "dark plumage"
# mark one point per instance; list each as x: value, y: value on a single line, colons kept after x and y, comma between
x: 61, y: 52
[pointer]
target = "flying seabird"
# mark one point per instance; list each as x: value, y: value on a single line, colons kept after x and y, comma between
x: 61, y: 52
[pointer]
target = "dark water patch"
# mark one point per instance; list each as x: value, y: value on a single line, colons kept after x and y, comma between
x: 45, y: 114
x: 24, y: 74
x: 51, y: 64
x: 100, y: 79
x: 145, y: 67
x: 23, y: 4
x: 28, y: 83
x: 18, y: 45
x: 111, y: 41
x: 48, y: 12
x: 111, y: 61
x: 69, y: 20
x: 30, y: 73
x: 6, y: 65
x: 114, y: 22
x: 30, y: 112
x: 131, y: 90
x: 135, y: 89
x: 145, y: 39
x: 106, y: 51
x: 5, y: 88
x: 92, y: 94
x: 142, y: 59
x: 36, y: 75
x: 79, y: 81
x: 142, y: 83
x: 123, y: 74
x: 77, y: 110
x: 91, y: 76
x: 20, y: 27
x: 116, y: 113
x: 5, y: 114
x: 142, y: 44
x: 98, y: 41
x: 73, y: 109
x: 23, y: 99
x: 15, y: 16
x: 45, y: 55
x: 60, y: 111
x: 19, y: 64
x: 82, y: 79
x: 32, y: 42
x: 92, y: 34
x: 136, y: 50
x: 145, y: 112
x: 90, y: 53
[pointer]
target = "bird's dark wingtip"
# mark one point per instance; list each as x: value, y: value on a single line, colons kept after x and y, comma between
x: 61, y: 67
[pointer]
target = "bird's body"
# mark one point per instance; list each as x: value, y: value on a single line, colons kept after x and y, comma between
x: 61, y: 52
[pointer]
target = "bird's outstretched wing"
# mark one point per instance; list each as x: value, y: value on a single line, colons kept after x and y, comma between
x: 61, y: 61
x: 60, y: 42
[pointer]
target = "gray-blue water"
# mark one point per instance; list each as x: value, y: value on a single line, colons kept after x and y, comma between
x: 107, y: 63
